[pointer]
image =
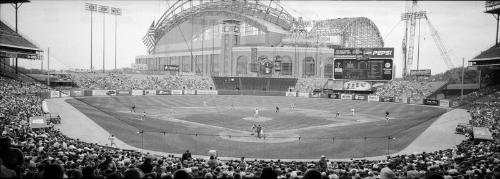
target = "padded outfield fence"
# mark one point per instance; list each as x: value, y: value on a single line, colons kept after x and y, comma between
x: 342, y: 96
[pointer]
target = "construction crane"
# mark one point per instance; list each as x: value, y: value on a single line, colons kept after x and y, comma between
x: 411, y: 15
x: 440, y: 45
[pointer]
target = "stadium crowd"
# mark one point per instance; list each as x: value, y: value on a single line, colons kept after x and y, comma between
x: 406, y: 88
x: 140, y: 81
x: 47, y: 153
x: 307, y: 85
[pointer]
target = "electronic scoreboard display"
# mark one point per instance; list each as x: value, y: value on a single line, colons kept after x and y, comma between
x: 353, y: 69
x: 363, y: 63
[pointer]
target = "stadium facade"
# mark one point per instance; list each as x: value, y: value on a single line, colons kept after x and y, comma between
x: 255, y: 39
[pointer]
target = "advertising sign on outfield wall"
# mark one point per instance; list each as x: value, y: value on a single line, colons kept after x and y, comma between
x: 402, y: 100
x: 431, y: 102
x: 291, y: 94
x: 54, y: 94
x: 65, y: 93
x: 177, y: 92
x: 206, y: 92
x: 444, y: 103
x: 373, y: 98
x: 103, y: 93
x: 303, y: 95
x: 317, y: 95
x: 360, y: 97
x: 76, y: 93
x: 137, y: 92
x: 386, y: 99
x: 346, y: 96
x: 87, y: 92
x: 159, y: 92
x: 150, y: 92
x: 123, y: 92
x: 189, y: 92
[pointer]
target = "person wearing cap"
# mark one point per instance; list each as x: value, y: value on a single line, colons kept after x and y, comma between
x: 186, y: 155
x: 12, y: 157
x: 323, y: 164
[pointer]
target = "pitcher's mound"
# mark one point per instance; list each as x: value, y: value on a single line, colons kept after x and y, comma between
x: 257, y: 119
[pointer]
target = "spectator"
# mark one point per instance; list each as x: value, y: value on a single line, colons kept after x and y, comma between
x: 53, y: 171
x: 387, y: 173
x: 12, y: 157
x: 186, y: 155
x: 181, y: 174
x: 133, y: 173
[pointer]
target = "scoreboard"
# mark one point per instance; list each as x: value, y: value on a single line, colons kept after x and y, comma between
x: 371, y: 69
x: 363, y: 64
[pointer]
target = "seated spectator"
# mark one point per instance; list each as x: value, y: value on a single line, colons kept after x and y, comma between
x: 53, y: 171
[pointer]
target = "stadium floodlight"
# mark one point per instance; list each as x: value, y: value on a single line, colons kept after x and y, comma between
x: 92, y: 8
x: 104, y: 10
x: 117, y: 12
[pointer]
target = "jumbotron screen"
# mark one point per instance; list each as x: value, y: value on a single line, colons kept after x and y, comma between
x: 354, y: 69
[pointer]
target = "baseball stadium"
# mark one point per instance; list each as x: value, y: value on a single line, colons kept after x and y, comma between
x: 243, y: 89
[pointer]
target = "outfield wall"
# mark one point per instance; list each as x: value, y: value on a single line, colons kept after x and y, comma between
x: 359, y: 97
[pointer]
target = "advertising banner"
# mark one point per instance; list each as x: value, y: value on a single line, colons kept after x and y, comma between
x: 424, y: 72
x: 431, y: 102
x: 137, y: 92
x: 76, y: 93
x: 206, y: 92
x: 65, y: 93
x: 159, y: 92
x: 87, y: 92
x: 357, y: 86
x: 171, y: 67
x: 402, y: 100
x: 416, y: 101
x: 103, y: 93
x: 373, y: 98
x: 291, y: 94
x: 150, y: 92
x: 317, y: 95
x: 189, y: 92
x: 444, y: 103
x: 176, y: 92
x: 364, y: 52
x: 38, y: 122
x: 386, y: 99
x: 346, y: 96
x: 303, y: 95
x: 361, y: 97
x: 54, y: 94
x: 123, y: 92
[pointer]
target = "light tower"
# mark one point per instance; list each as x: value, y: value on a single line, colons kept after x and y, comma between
x: 410, y: 17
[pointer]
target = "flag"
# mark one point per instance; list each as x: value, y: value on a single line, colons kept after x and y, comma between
x: 149, y: 38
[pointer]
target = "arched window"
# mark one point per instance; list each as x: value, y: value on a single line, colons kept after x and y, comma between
x: 241, y: 65
x: 309, y: 66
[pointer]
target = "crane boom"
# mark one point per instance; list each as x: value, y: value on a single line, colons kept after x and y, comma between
x: 439, y: 44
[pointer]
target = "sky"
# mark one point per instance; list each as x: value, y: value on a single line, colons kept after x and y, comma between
x: 64, y: 27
